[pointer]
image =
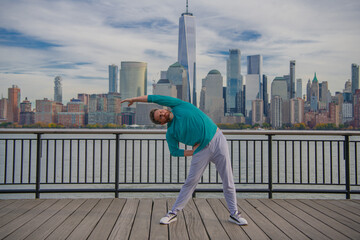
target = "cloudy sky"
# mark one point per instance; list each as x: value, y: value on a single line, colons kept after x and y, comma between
x: 78, y: 39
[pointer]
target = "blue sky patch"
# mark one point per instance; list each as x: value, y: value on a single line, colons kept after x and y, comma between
x: 13, y: 38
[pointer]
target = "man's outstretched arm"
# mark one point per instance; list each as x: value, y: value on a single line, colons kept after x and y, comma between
x: 135, y: 99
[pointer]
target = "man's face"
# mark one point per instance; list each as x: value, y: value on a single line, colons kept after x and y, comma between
x: 163, y: 116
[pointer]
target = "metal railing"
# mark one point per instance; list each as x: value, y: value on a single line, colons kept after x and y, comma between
x: 115, y: 161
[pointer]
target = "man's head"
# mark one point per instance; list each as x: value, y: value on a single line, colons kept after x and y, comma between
x: 161, y: 116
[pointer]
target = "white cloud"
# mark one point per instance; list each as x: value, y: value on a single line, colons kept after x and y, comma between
x: 322, y: 36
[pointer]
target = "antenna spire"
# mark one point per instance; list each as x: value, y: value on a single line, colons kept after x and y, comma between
x: 187, y: 6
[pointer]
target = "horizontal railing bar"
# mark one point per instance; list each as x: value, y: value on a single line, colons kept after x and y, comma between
x: 163, y: 131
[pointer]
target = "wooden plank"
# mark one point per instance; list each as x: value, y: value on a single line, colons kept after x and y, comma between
x: 17, y: 210
x: 84, y: 229
x: 337, y: 225
x: 11, y: 207
x: 233, y: 231
x: 252, y: 229
x: 347, y: 218
x: 194, y: 223
x: 38, y: 220
x: 31, y: 212
x: 348, y: 205
x: 177, y: 230
x: 51, y: 224
x: 142, y: 223
x: 123, y: 225
x: 343, y: 211
x: 4, y: 203
x: 277, y: 220
x: 299, y: 223
x: 319, y: 225
x: 158, y: 231
x: 64, y: 229
x: 211, y: 222
x: 106, y: 223
x: 258, y: 218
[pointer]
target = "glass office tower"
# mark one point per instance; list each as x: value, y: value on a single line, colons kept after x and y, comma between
x: 187, y: 51
x: 113, y: 78
x: 234, y: 82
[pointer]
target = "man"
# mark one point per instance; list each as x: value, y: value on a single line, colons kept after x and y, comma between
x: 189, y: 125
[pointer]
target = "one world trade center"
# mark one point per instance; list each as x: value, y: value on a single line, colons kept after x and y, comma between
x: 187, y: 51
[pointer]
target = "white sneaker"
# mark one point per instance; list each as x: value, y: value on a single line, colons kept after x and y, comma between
x: 237, y: 219
x: 169, y: 218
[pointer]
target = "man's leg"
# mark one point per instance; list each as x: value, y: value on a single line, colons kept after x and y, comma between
x: 198, y: 164
x: 221, y: 158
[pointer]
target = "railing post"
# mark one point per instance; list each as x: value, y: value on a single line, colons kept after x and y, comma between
x: 38, y: 165
x: 117, y: 154
x: 347, y: 165
x: 270, y: 165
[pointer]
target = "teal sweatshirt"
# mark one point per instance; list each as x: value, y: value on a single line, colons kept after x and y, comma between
x: 189, y: 125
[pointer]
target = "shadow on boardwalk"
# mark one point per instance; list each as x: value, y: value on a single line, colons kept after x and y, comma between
x: 201, y: 219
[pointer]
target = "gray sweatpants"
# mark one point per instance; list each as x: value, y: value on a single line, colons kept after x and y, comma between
x: 217, y: 152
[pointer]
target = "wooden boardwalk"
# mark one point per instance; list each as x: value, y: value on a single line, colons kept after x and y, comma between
x: 201, y: 219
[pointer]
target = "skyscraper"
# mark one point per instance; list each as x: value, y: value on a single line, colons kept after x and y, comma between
x: 234, y: 82
x: 253, y: 80
x: 13, y: 109
x: 291, y: 85
x: 58, y: 89
x: 211, y: 98
x: 113, y: 78
x: 299, y: 88
x: 133, y: 80
x: 354, y: 77
x: 177, y: 76
x: 187, y: 51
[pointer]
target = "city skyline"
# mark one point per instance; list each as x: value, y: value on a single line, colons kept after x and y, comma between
x: 77, y: 40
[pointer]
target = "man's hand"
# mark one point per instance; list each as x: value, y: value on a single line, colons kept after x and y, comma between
x: 129, y: 100
x: 188, y: 153
x: 135, y: 99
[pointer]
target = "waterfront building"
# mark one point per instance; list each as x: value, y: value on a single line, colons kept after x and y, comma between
x: 296, y: 110
x: 356, y: 111
x: 75, y: 114
x: 58, y: 89
x: 314, y: 94
x: 347, y: 112
x: 13, y: 108
x: 47, y: 111
x: 177, y: 75
x: 211, y: 97
x: 265, y: 95
x: 299, y: 88
x: 354, y: 77
x: 113, y: 78
x: 252, y: 91
x: 3, y: 109
x: 104, y: 109
x: 276, y: 112
x: 279, y: 88
x: 133, y: 81
x: 187, y: 52
x: 234, y: 82
x: 291, y: 85
x: 308, y: 91
x: 27, y: 116
x: 257, y: 112
x: 165, y: 88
